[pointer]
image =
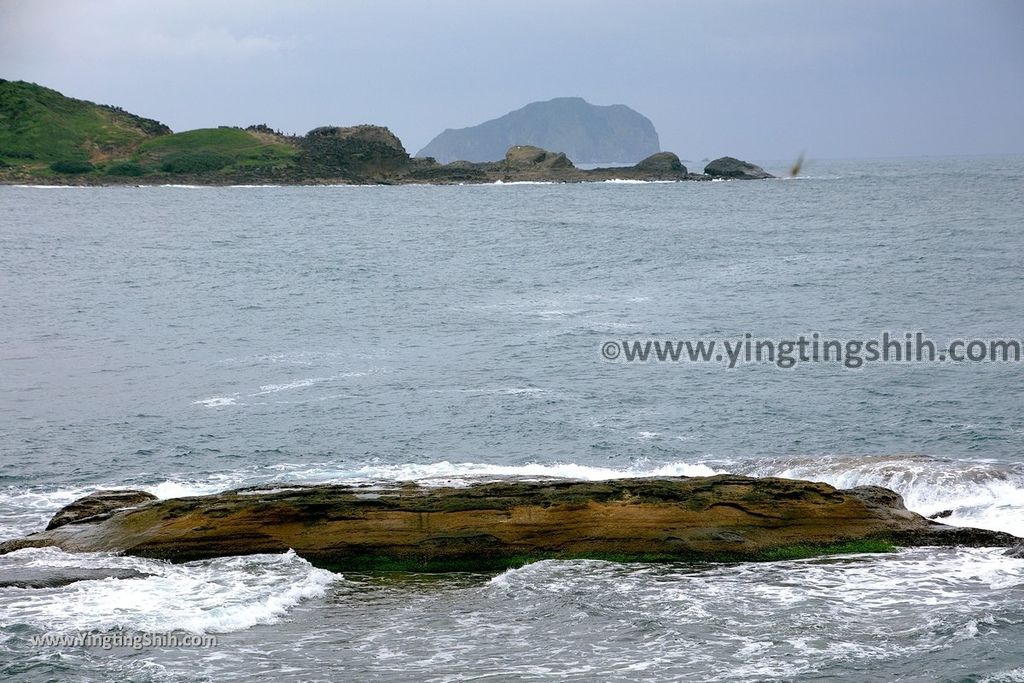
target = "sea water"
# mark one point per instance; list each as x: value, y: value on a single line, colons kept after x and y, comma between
x: 188, y: 340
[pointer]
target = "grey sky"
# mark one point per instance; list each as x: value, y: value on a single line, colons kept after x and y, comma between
x: 761, y: 80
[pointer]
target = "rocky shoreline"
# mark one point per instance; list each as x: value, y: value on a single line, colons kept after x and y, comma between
x: 495, y: 525
x: 80, y: 143
x: 373, y: 155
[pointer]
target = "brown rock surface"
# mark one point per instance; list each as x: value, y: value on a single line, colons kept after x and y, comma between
x: 505, y: 523
x: 529, y: 157
x: 98, y: 503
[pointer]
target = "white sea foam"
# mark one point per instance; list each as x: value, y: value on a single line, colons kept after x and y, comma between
x: 267, y: 389
x: 310, y: 381
x: 54, y: 187
x: 449, y: 473
x: 443, y: 473
x: 265, y: 491
x: 274, y: 388
x: 217, y: 401
x: 1009, y: 676
x: 183, y: 489
x: 809, y: 614
x: 982, y: 494
x: 557, y: 313
x: 633, y: 181
x: 25, y: 510
x: 209, y: 596
x: 510, y: 391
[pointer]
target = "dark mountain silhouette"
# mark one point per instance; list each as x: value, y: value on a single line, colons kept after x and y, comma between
x: 586, y: 133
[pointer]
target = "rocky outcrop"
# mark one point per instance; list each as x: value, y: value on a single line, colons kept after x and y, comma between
x: 587, y: 133
x: 530, y: 163
x: 423, y: 171
x: 498, y: 524
x: 731, y: 167
x: 358, y: 153
x: 1017, y: 550
x: 98, y: 504
x: 519, y: 157
x: 662, y: 162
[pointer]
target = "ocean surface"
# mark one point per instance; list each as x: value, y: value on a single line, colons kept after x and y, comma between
x: 188, y: 340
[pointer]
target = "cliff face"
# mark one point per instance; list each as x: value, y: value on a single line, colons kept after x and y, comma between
x: 355, y: 152
x: 584, y: 132
x: 493, y: 525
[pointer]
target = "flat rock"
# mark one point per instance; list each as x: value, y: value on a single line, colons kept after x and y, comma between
x: 496, y: 524
x: 39, y: 577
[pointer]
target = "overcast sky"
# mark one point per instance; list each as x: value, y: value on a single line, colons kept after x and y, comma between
x: 760, y: 80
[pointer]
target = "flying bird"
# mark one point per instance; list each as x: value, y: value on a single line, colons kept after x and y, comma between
x: 794, y: 170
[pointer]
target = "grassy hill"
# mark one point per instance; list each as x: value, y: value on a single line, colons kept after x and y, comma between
x: 39, y: 126
x: 44, y: 134
x: 208, y: 150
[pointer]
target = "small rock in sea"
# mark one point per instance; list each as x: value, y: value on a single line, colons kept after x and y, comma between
x: 731, y: 167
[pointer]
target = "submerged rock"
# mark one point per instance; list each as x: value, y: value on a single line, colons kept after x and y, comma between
x: 99, y: 503
x: 507, y: 523
x: 730, y: 167
x: 1017, y: 550
x: 40, y: 577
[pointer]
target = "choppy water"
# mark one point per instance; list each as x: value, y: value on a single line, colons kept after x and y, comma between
x: 188, y: 340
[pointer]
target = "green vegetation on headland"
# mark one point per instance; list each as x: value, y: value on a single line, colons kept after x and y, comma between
x: 210, y: 150
x: 39, y: 126
x: 48, y: 138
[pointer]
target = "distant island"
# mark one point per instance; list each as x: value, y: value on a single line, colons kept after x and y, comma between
x: 47, y: 138
x: 586, y: 133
